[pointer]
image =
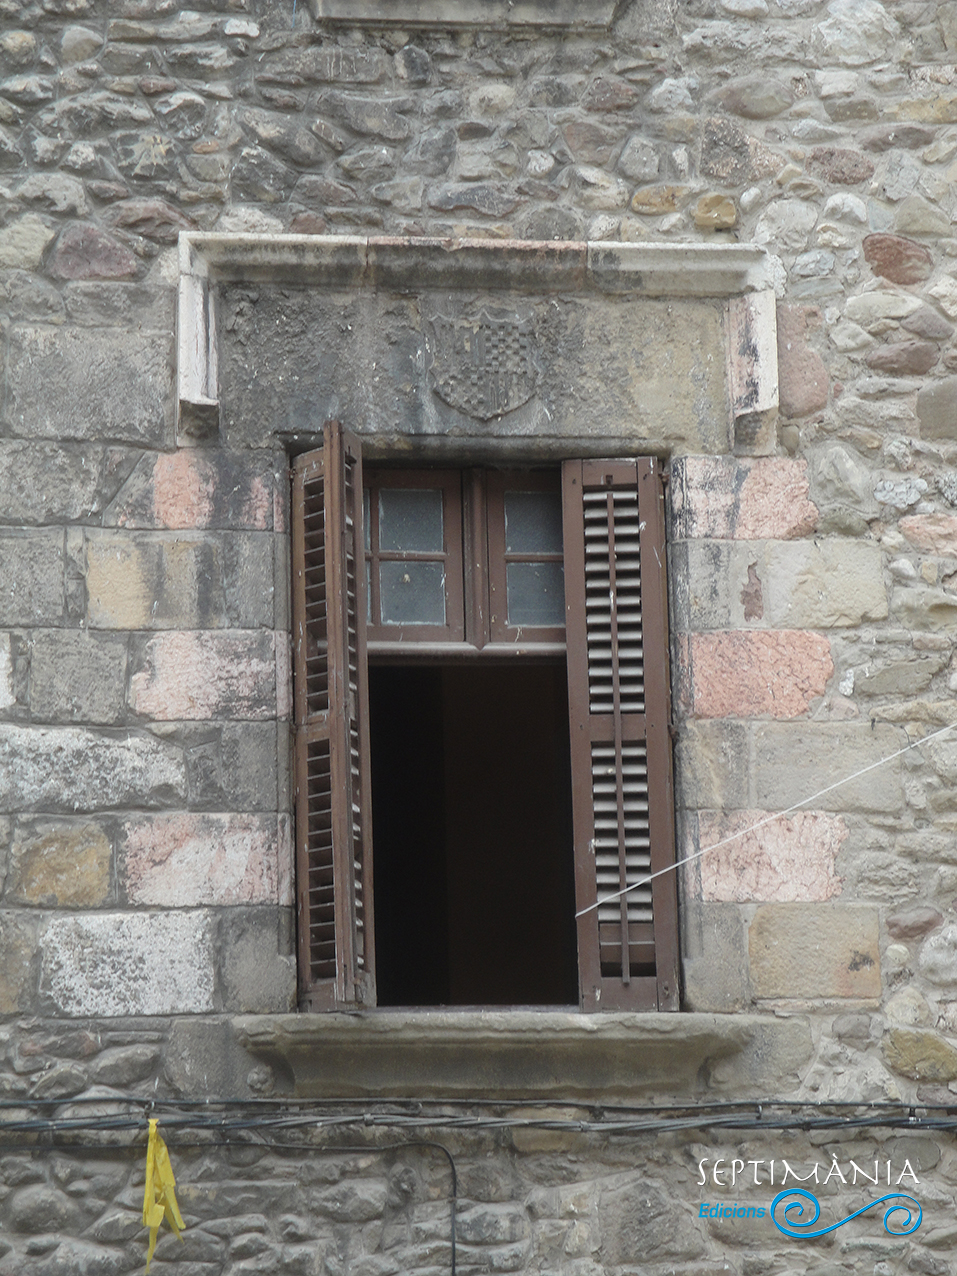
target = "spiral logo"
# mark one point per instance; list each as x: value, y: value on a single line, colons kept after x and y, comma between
x: 793, y: 1223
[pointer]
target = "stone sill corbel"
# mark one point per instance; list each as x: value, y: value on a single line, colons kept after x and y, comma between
x: 514, y: 1054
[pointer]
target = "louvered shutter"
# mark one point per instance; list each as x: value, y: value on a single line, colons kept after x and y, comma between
x: 618, y: 680
x: 333, y: 812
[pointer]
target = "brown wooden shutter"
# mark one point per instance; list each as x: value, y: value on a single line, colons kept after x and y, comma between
x: 619, y: 710
x: 333, y: 812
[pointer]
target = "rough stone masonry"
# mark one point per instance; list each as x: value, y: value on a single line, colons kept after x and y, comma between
x: 146, y: 920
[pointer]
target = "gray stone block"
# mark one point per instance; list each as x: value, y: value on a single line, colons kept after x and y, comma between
x: 794, y: 761
x: 711, y: 765
x: 250, y: 765
x: 257, y: 961
x: 74, y: 768
x: 715, y: 967
x: 89, y: 384
x: 77, y: 676
x: 248, y: 581
x: 31, y: 577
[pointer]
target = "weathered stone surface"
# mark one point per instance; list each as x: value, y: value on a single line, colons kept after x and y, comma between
x: 153, y: 218
x: 786, y: 861
x: 653, y: 201
x: 917, y: 216
x: 86, y: 252
x: 854, y: 33
x: 755, y: 97
x: 489, y: 198
x: 24, y: 241
x: 799, y: 761
x: 803, y: 378
x: 722, y: 497
x: 922, y: 1056
x: 715, y: 212
x: 748, y: 673
x: 39, y: 1208
x: 59, y: 864
x: 648, y: 1225
x: 18, y: 945
x: 899, y: 677
x: 934, y: 532
x: 840, y: 166
x: 730, y: 156
x: 937, y: 409
x: 31, y: 577
x: 194, y: 489
x: 826, y: 584
x: 900, y: 260
x: 141, y: 581
x: 258, y: 960
x: 714, y: 956
x: 76, y: 676
x: 115, y: 385
x: 886, y: 137
x: 205, y: 675
x: 805, y: 951
x: 123, y: 1066
x: 913, y: 923
x: 69, y: 768
x: 128, y: 964
x: 182, y: 860
x: 903, y: 358
x: 929, y: 323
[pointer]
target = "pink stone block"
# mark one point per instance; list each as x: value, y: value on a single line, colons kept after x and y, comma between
x: 723, y: 498
x: 188, y: 489
x: 803, y: 381
x: 745, y: 673
x: 787, y: 861
x: 935, y: 533
x: 182, y: 860
x: 198, y: 674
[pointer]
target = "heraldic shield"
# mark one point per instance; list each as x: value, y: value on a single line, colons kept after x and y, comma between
x: 484, y: 364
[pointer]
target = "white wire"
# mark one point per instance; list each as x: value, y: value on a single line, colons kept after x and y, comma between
x: 770, y: 819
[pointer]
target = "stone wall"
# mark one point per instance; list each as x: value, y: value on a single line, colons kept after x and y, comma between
x: 144, y: 632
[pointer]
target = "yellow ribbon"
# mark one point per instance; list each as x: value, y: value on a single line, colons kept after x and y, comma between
x: 159, y: 1198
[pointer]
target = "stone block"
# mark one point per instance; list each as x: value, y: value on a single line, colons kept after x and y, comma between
x: 8, y: 696
x: 250, y: 766
x: 935, y: 533
x: 195, y: 489
x: 249, y: 584
x: 52, y: 482
x: 61, y: 863
x: 201, y: 675
x: 899, y: 677
x: 128, y: 964
x: 717, y: 584
x: 712, y: 765
x: 808, y: 951
x: 637, y: 1219
x: 803, y: 383
x: 77, y: 676
x: 66, y: 769
x: 923, y: 607
x: 720, y: 497
x: 796, y: 761
x: 714, y: 966
x: 18, y: 945
x: 937, y: 409
x: 825, y: 584
x: 184, y: 859
x: 749, y: 673
x: 920, y: 1055
x: 147, y: 580
x: 257, y: 960
x: 786, y: 861
x: 31, y: 577
x: 89, y: 384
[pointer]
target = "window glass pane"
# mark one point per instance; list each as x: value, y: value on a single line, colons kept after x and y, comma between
x: 536, y: 594
x: 533, y: 522
x: 410, y: 519
x: 412, y: 593
x: 366, y: 519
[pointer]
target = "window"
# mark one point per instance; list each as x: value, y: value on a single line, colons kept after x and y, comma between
x: 436, y: 597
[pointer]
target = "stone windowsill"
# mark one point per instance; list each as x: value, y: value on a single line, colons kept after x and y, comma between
x: 507, y: 1053
x: 509, y: 15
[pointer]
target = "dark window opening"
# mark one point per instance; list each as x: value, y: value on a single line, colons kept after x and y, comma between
x: 472, y: 835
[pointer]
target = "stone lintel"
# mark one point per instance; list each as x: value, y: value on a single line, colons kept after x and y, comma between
x: 494, y: 1053
x: 412, y: 265
x: 507, y: 15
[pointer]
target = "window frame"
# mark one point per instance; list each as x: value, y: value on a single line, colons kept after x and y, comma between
x: 351, y: 982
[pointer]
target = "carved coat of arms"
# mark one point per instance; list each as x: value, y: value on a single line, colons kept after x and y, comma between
x: 484, y: 363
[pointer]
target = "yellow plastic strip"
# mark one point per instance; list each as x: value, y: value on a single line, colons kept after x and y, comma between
x: 159, y: 1196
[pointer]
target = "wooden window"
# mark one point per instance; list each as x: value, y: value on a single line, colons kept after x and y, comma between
x: 495, y: 824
